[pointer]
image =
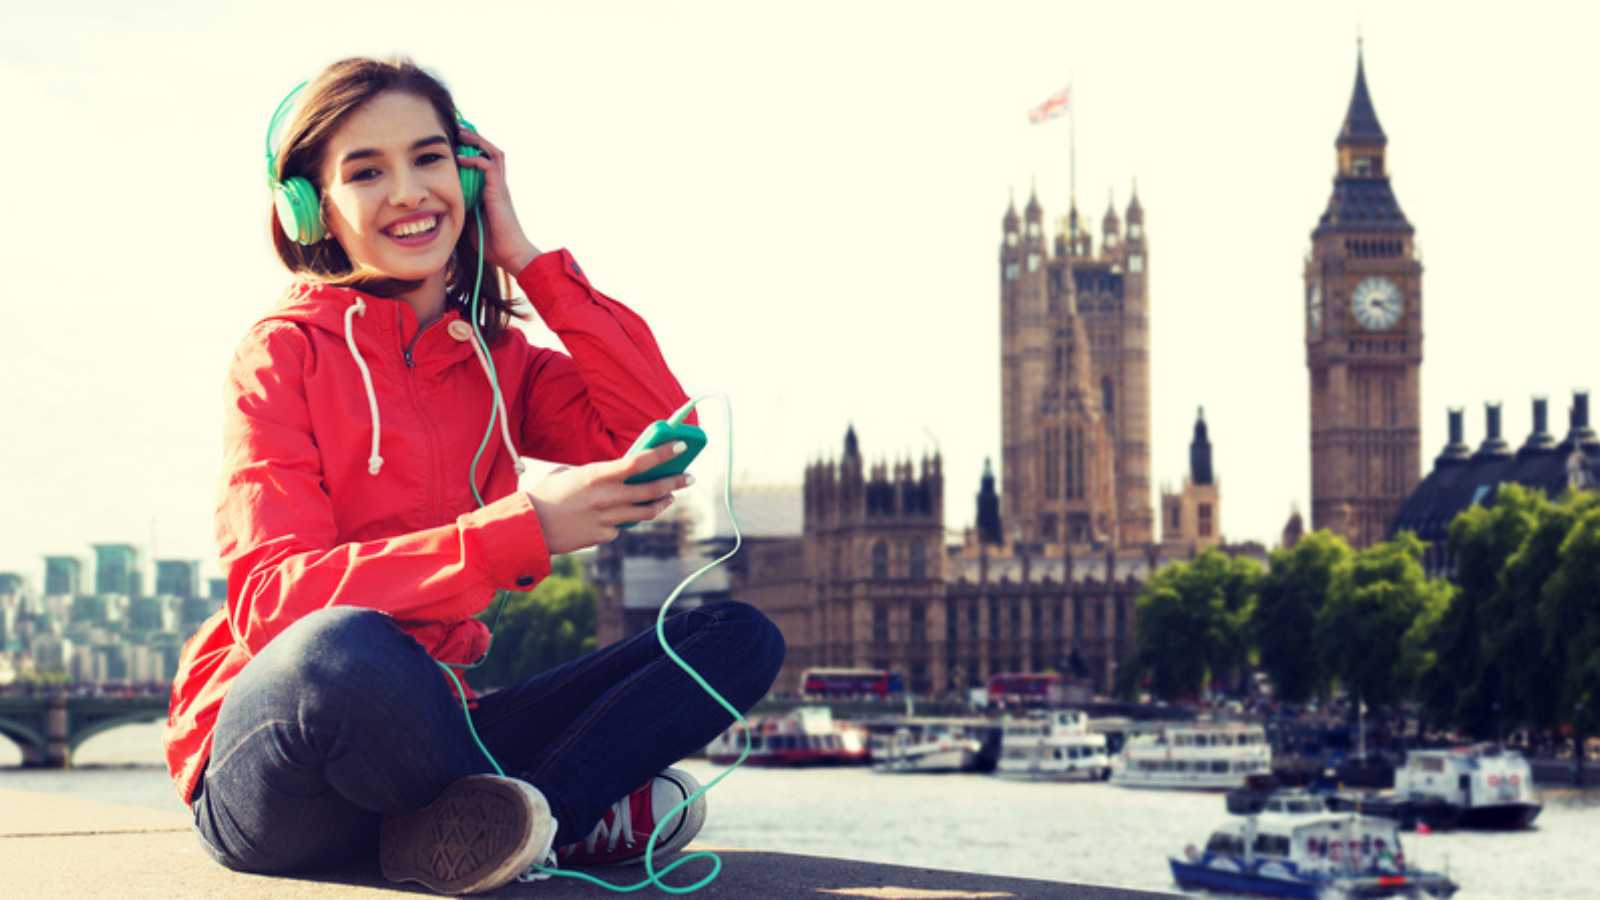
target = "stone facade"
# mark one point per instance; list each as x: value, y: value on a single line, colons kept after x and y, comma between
x: 1363, y: 340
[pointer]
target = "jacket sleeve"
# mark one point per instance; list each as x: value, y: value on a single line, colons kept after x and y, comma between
x: 277, y: 533
x: 593, y: 404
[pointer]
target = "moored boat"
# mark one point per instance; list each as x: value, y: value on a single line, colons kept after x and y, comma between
x: 1055, y: 745
x: 930, y: 748
x: 1297, y: 851
x: 807, y: 736
x: 1196, y: 756
x: 1481, y: 786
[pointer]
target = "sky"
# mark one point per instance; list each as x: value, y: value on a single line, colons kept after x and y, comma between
x: 805, y: 202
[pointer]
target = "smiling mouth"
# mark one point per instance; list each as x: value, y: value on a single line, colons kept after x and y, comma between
x: 413, y: 228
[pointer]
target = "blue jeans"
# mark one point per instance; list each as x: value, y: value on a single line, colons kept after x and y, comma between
x: 344, y: 719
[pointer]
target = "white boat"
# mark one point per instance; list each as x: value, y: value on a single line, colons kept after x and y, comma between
x: 1211, y: 756
x: 1481, y: 786
x: 807, y: 736
x: 1055, y: 745
x: 1298, y: 850
x: 930, y: 748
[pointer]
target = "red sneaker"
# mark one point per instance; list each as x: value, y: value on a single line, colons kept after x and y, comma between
x: 620, y: 836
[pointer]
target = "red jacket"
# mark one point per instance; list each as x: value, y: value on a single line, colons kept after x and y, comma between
x: 304, y: 523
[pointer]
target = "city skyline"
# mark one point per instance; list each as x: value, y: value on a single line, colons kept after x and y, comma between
x: 827, y: 184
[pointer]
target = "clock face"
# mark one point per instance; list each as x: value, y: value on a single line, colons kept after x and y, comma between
x: 1314, y: 308
x: 1377, y: 303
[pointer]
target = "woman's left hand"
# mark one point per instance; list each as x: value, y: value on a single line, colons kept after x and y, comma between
x: 506, y: 245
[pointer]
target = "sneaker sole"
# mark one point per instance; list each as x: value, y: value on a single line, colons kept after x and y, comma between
x: 482, y: 832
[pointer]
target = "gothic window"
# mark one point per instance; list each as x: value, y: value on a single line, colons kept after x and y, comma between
x: 994, y: 618
x: 918, y: 561
x: 880, y: 623
x: 1205, y: 520
x: 1047, y: 525
x: 1391, y: 401
x: 880, y: 560
x: 1107, y: 396
x: 919, y: 622
x: 1052, y: 463
x: 1016, y: 619
x: 950, y: 626
x: 1072, y: 471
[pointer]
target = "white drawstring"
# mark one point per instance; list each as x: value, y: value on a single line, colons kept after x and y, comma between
x: 500, y: 401
x: 374, y: 462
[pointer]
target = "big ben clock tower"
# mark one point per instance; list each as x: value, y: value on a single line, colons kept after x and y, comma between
x: 1363, y: 303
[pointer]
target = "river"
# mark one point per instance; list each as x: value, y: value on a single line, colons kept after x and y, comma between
x: 1088, y: 833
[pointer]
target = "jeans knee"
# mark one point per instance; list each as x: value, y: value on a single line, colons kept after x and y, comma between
x: 344, y: 645
x: 750, y: 634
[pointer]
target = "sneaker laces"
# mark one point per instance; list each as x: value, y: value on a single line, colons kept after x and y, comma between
x: 621, y: 827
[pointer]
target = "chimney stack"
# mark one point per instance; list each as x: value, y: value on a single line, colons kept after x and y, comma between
x: 1456, y: 451
x: 1493, y: 443
x: 1540, y: 439
x: 1580, y: 433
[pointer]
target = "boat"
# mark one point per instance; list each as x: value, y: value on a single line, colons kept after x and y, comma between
x: 1054, y: 745
x: 1213, y: 756
x: 934, y: 747
x: 806, y: 736
x: 1299, y: 850
x: 1478, y: 786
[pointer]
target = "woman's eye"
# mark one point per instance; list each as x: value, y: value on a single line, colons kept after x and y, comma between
x: 364, y: 175
x: 428, y: 159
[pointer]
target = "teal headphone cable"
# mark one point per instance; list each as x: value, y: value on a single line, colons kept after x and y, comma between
x: 651, y: 875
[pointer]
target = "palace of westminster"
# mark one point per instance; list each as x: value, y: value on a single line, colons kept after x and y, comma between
x: 1047, y: 578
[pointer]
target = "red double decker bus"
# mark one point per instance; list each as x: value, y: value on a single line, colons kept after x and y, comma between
x: 841, y: 682
x: 1015, y: 689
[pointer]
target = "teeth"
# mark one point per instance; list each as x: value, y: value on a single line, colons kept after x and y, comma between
x: 416, y: 227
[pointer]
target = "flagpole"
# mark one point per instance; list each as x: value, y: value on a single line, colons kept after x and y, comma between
x: 1072, y: 157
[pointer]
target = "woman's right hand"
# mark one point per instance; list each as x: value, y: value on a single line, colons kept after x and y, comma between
x: 582, y: 506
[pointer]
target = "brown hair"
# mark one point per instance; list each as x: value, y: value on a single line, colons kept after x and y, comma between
x: 334, y: 93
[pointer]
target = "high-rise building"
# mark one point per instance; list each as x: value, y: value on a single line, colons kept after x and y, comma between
x: 116, y: 569
x: 1363, y: 339
x: 1075, y: 380
x: 178, y: 577
x: 63, y: 576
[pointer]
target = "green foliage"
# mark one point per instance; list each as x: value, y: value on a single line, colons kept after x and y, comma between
x: 1367, y: 633
x: 539, y: 629
x: 1288, y: 599
x: 1191, y: 624
x: 1569, y: 611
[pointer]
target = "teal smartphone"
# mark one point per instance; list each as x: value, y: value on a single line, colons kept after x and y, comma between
x: 661, y: 432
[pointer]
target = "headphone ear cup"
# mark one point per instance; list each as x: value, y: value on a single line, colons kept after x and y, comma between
x: 299, y: 212
x: 471, y: 179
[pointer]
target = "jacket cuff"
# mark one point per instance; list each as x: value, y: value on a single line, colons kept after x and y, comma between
x: 551, y: 278
x: 506, y: 543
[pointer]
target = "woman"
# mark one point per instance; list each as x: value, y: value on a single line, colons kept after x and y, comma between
x: 311, y: 721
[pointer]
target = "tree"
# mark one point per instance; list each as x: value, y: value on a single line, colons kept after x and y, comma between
x: 1191, y: 624
x: 1366, y: 633
x: 539, y: 629
x: 1288, y: 599
x: 1463, y: 686
x: 1569, y: 610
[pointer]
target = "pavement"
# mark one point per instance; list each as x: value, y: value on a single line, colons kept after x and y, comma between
x: 54, y: 846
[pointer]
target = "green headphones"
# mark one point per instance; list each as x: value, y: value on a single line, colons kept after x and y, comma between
x: 299, y: 208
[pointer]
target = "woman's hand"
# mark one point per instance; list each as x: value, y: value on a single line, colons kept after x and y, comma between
x: 506, y: 245
x: 582, y: 506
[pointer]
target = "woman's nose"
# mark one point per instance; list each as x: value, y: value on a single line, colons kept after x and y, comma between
x: 408, y: 190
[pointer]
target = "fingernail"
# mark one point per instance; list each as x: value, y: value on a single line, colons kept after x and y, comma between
x: 679, y: 447
x: 688, y: 480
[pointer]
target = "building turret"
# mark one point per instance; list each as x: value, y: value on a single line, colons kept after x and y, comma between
x: 1579, y: 434
x: 1110, y: 228
x: 1135, y: 215
x: 989, y: 531
x: 1200, y: 451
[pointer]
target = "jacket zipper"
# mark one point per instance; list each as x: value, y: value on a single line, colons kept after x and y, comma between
x: 434, y: 498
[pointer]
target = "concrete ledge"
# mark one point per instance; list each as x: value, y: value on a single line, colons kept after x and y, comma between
x: 53, y: 846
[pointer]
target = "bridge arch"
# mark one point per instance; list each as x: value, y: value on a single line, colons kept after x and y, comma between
x: 80, y: 735
x: 29, y: 740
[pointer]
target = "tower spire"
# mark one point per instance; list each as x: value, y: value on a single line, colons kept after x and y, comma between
x: 1361, y: 120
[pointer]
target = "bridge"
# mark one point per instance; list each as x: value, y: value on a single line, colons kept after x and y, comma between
x: 48, y: 728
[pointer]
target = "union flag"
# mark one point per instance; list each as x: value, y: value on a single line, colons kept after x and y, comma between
x: 1052, y: 107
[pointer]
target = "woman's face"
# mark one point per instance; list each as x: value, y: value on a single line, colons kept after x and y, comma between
x: 391, y: 190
